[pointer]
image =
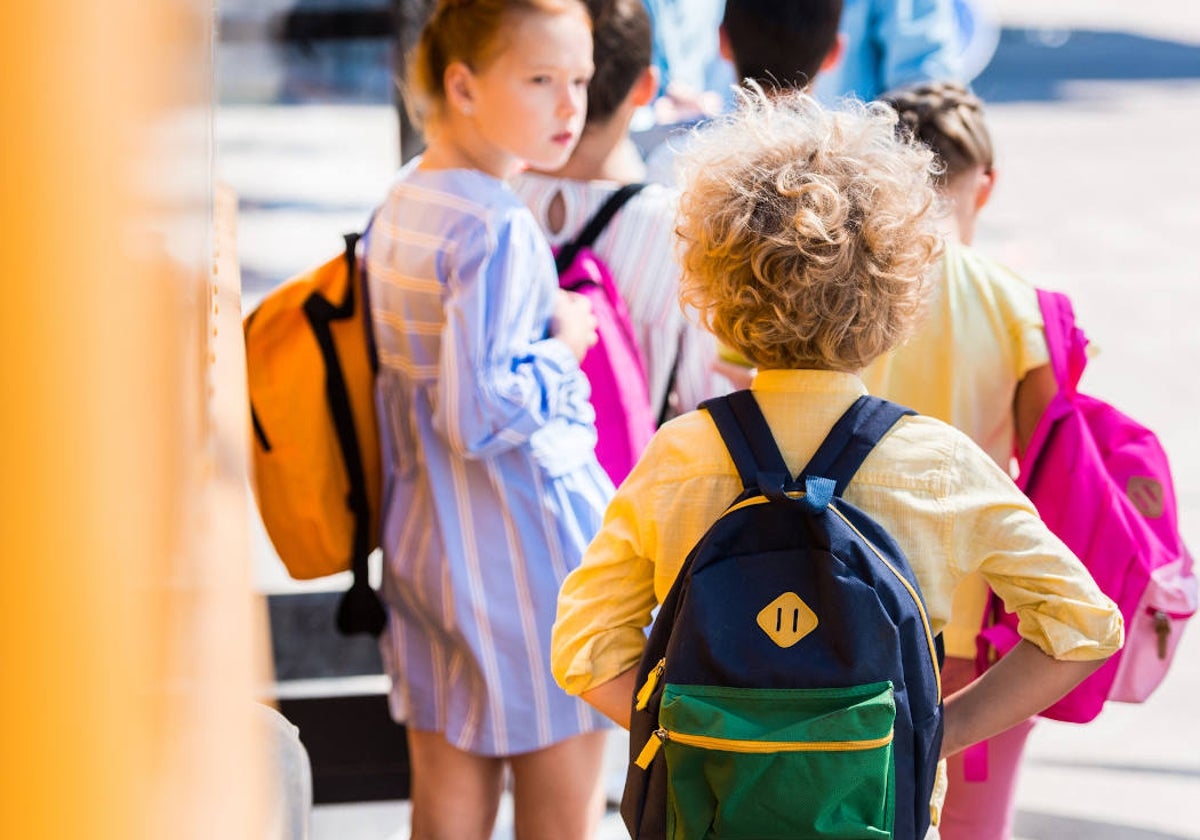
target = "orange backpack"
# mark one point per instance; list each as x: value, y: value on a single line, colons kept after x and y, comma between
x: 311, y: 366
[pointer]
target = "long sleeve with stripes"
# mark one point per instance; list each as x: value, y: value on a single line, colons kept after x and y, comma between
x: 501, y: 378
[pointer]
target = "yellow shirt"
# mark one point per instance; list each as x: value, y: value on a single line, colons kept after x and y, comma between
x: 947, y: 505
x: 981, y: 336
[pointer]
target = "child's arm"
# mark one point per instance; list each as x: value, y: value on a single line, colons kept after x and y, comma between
x: 1024, y: 682
x: 1034, y: 394
x: 605, y: 604
x: 500, y: 378
x: 1069, y: 627
x: 614, y: 698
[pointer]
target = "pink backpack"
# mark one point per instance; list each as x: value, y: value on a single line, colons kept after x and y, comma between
x: 614, y: 367
x: 1100, y: 481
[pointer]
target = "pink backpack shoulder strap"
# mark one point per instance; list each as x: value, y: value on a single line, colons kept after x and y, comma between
x: 1066, y: 342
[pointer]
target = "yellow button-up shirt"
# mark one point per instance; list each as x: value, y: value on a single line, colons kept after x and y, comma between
x: 946, y: 503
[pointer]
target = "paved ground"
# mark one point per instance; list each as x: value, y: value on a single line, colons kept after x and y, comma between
x: 1095, y: 108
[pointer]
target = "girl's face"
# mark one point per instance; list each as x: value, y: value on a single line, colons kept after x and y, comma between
x: 529, y: 103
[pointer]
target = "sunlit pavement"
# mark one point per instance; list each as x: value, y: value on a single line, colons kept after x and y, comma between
x: 1095, y: 108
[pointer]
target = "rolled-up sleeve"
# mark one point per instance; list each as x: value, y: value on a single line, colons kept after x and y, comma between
x: 501, y: 379
x: 998, y: 531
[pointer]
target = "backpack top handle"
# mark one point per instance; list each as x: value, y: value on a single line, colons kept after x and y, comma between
x: 759, y: 462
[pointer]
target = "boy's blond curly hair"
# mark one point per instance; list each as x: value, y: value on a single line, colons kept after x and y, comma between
x: 806, y: 233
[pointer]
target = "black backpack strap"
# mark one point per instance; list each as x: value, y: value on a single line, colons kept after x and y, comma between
x: 359, y: 610
x: 595, y: 225
x: 364, y: 291
x: 664, y: 410
x: 749, y: 440
x: 852, y: 438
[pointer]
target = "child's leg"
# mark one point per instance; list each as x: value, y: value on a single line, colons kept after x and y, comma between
x: 454, y: 794
x: 982, y: 810
x: 558, y: 791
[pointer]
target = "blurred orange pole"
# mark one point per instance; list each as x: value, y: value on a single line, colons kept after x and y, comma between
x: 128, y: 639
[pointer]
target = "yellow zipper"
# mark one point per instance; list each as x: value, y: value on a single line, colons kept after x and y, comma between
x: 643, y: 695
x: 937, y: 672
x: 737, y: 745
x: 651, y: 749
x: 760, y: 500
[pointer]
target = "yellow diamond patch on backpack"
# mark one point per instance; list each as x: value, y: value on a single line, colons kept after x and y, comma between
x: 787, y: 619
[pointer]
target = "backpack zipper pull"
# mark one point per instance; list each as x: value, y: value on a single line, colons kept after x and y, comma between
x: 643, y: 695
x: 657, y: 739
x: 1162, y: 629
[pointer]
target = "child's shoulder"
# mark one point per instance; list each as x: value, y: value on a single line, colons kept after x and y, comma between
x: 926, y: 455
x: 991, y: 288
x: 535, y: 186
x: 656, y: 201
x: 921, y: 454
x: 468, y: 202
x: 921, y: 457
x: 922, y: 451
x: 648, y: 216
x: 466, y: 191
x: 916, y: 452
x: 967, y: 265
x: 685, y: 446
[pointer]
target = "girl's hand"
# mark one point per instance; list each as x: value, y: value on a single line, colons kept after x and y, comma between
x: 573, y: 322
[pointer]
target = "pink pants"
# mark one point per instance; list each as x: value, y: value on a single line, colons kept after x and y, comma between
x: 982, y: 810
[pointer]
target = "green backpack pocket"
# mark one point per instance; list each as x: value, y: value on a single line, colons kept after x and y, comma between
x: 779, y: 763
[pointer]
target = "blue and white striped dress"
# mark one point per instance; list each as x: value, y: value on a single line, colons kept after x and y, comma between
x: 492, y: 489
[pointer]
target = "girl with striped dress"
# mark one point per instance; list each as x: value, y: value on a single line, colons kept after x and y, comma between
x: 492, y: 489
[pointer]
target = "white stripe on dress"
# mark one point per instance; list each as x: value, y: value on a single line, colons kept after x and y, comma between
x: 528, y: 612
x: 491, y: 669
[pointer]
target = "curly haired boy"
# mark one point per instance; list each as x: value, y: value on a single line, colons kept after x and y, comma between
x: 806, y: 236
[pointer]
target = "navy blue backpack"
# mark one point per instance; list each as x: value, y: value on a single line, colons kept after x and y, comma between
x: 790, y: 686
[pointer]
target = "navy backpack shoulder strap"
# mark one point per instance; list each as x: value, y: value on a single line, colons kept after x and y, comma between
x: 596, y: 225
x: 852, y: 438
x: 749, y: 440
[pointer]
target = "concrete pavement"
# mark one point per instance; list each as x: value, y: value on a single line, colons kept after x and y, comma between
x: 1095, y: 107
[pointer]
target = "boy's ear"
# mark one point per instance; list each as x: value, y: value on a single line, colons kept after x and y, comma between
x: 459, y: 84
x: 644, y: 89
x: 835, y: 54
x: 723, y: 45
